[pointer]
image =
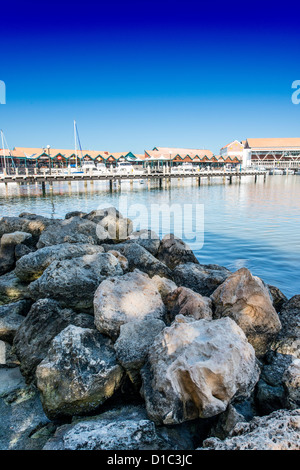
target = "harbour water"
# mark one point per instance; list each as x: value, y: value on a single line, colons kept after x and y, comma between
x: 246, y: 224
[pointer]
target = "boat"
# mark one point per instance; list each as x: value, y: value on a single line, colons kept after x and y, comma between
x: 276, y: 171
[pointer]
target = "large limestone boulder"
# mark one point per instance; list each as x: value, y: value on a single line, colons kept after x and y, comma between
x: 79, y: 373
x: 12, y: 288
x: 165, y: 286
x: 196, y: 368
x: 73, y: 282
x: 288, y: 340
x: 73, y: 230
x: 32, y: 265
x: 201, y: 278
x: 45, y: 321
x: 147, y: 239
x: 127, y: 428
x: 139, y: 258
x: 277, y: 431
x: 133, y: 344
x: 9, y: 241
x: 119, y: 300
x: 246, y: 300
x: 291, y: 380
x: 184, y: 301
x: 173, y: 251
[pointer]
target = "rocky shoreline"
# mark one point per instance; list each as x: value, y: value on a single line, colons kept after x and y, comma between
x: 112, y: 339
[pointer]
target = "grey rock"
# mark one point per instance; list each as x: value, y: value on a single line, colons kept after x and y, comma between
x: 278, y: 298
x: 123, y: 299
x: 29, y: 223
x: 126, y: 428
x: 10, y: 381
x: 9, y: 324
x: 21, y: 307
x: 196, y: 368
x: 288, y: 339
x: 9, y: 241
x: 32, y: 266
x: 7, y: 355
x: 69, y: 215
x: 133, y: 344
x: 246, y: 300
x: 291, y: 380
x: 173, y: 251
x: 45, y: 320
x: 73, y: 282
x: 201, y: 278
x: 226, y: 423
x: 148, y: 239
x: 79, y: 373
x: 22, y: 250
x: 12, y: 288
x: 278, y: 431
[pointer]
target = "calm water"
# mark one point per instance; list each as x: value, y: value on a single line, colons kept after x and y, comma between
x: 249, y: 224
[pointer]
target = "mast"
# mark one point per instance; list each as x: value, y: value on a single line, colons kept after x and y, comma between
x: 75, y: 142
x: 3, y: 150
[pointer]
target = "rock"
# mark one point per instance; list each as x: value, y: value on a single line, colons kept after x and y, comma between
x: 201, y: 278
x: 165, y: 286
x: 29, y: 223
x: 126, y: 428
x: 124, y: 299
x: 196, y: 368
x: 22, y: 250
x: 288, y: 340
x: 7, y: 355
x: 79, y: 373
x: 9, y: 323
x: 45, y: 320
x: 173, y: 251
x: 277, y: 297
x: 278, y: 431
x: 133, y: 344
x: 99, y: 215
x: 139, y: 258
x: 112, y: 221
x: 21, y: 307
x: 32, y: 266
x: 10, y: 381
x: 12, y: 289
x: 74, y: 230
x: 73, y: 282
x: 69, y: 215
x: 226, y: 423
x: 122, y: 260
x: 246, y: 300
x: 21, y: 416
x: 291, y: 380
x: 270, y: 393
x: 184, y: 301
x: 9, y: 241
x: 148, y: 239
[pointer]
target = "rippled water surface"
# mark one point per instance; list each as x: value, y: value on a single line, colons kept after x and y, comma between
x: 251, y: 224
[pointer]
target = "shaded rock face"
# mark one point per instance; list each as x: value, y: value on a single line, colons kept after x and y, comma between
x: 173, y: 251
x: 21, y: 416
x: 12, y: 288
x: 226, y: 423
x: 184, y: 301
x: 9, y: 241
x: 9, y: 324
x: 73, y: 282
x: 29, y: 223
x: 134, y: 342
x: 126, y: 428
x: 278, y: 298
x: 288, y: 340
x: 246, y: 300
x: 45, y: 320
x: 201, y: 278
x: 291, y: 381
x: 73, y: 230
x: 196, y: 369
x: 123, y: 299
x: 7, y: 356
x: 270, y: 392
x: 32, y: 265
x: 79, y: 373
x: 165, y: 286
x: 22, y: 250
x: 69, y: 215
x: 278, y: 431
x: 139, y: 258
x: 148, y: 239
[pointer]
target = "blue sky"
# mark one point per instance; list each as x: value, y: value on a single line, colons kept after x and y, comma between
x: 141, y: 74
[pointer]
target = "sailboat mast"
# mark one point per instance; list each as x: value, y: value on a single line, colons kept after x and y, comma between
x: 75, y: 142
x: 3, y: 150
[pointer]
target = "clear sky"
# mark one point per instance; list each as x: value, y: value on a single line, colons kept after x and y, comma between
x: 141, y: 74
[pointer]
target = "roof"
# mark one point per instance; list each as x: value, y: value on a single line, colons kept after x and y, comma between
x: 274, y: 143
x: 167, y: 153
x: 230, y: 143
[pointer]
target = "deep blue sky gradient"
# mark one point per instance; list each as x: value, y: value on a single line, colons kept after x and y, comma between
x: 141, y: 74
